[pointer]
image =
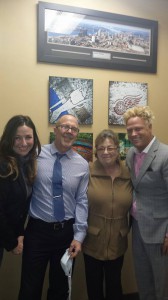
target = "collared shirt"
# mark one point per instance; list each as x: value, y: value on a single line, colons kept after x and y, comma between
x: 147, y: 147
x: 75, y: 174
x: 133, y: 211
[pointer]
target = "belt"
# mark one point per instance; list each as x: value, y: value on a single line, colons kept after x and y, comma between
x: 56, y: 226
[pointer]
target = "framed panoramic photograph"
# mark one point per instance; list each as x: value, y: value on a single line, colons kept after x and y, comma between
x: 124, y: 95
x: 84, y: 37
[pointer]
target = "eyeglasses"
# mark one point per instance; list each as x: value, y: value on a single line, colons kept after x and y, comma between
x: 109, y: 149
x: 74, y: 130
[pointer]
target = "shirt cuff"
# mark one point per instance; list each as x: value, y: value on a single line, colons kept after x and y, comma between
x: 79, y: 236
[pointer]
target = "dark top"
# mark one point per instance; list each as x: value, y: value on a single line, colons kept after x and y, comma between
x: 14, y: 205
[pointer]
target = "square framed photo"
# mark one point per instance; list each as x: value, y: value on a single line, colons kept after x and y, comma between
x: 124, y: 95
x: 124, y: 143
x: 71, y: 96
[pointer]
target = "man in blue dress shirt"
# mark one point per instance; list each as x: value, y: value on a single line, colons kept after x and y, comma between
x: 46, y: 238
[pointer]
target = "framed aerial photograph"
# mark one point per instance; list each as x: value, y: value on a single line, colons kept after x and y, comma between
x: 124, y: 95
x: 84, y: 37
x: 71, y: 96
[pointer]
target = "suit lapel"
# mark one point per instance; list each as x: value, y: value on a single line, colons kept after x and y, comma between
x: 147, y: 162
x: 130, y: 162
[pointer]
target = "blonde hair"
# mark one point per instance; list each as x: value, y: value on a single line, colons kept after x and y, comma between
x: 143, y: 112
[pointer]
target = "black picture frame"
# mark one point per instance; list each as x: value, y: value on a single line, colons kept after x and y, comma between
x: 90, y: 38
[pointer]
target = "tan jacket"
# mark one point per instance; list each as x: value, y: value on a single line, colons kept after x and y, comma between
x: 109, y: 203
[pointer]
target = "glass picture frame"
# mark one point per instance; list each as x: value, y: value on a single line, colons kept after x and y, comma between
x: 90, y: 38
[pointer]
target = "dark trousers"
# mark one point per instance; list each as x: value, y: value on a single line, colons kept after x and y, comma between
x: 103, y: 275
x: 45, y: 243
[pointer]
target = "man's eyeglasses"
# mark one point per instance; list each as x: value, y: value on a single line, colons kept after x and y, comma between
x: 109, y: 149
x: 74, y: 130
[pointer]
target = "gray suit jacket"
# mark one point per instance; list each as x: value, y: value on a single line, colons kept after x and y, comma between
x: 151, y: 192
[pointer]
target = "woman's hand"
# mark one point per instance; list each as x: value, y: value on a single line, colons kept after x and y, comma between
x: 19, y: 248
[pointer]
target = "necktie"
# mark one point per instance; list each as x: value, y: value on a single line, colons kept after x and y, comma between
x: 138, y: 160
x: 139, y: 157
x: 59, y: 212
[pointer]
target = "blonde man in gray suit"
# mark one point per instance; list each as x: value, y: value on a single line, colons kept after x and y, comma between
x: 148, y: 163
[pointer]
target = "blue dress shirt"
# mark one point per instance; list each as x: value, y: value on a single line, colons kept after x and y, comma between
x: 75, y: 175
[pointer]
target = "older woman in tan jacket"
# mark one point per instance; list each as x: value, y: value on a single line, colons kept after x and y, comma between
x: 110, y: 197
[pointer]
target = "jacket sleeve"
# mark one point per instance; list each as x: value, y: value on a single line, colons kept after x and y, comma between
x: 8, y: 238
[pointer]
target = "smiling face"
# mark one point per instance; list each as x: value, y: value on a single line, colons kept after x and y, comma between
x: 139, y: 132
x: 107, y: 152
x: 23, y: 140
x: 66, y: 132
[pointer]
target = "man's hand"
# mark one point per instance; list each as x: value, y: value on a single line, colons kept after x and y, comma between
x: 74, y: 248
x: 165, y: 246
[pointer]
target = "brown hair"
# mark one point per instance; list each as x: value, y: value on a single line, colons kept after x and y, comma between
x: 9, y: 158
x: 104, y: 134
